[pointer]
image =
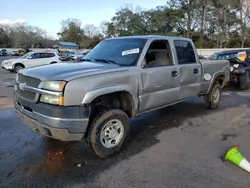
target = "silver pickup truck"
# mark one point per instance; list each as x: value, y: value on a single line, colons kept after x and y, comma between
x: 119, y: 79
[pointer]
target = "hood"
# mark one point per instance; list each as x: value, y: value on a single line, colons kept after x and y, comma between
x: 13, y: 60
x: 70, y: 71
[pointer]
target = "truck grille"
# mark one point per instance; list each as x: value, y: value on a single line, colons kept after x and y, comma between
x: 30, y: 81
x: 26, y: 94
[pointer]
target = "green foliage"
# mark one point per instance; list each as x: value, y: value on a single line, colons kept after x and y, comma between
x: 71, y: 30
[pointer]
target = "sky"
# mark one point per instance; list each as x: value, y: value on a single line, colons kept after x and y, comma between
x: 47, y: 14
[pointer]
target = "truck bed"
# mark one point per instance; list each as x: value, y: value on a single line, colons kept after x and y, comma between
x: 212, y: 67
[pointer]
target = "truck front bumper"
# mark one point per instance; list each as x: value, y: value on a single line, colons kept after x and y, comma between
x: 60, y: 128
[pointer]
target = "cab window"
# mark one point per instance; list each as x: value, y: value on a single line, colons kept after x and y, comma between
x: 185, y: 52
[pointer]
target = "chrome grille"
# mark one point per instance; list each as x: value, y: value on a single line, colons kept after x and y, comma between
x: 30, y: 81
x: 26, y: 94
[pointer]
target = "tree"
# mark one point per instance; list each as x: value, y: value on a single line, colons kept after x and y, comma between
x: 4, y: 38
x: 71, y: 30
x: 244, y: 9
x: 90, y: 30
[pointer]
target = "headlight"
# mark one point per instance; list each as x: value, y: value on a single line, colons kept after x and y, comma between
x: 54, y: 85
x: 8, y: 63
x: 236, y: 65
x: 57, y: 100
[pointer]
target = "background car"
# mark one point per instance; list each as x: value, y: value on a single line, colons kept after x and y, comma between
x: 64, y: 57
x: 31, y: 59
x: 201, y: 57
x: 228, y: 54
x: 15, y: 53
x: 239, y: 65
x: 3, y: 52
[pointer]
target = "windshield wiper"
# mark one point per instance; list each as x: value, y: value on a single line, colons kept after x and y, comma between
x: 107, y: 61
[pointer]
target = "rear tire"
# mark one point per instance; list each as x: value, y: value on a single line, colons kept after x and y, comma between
x: 244, y: 80
x: 108, y: 132
x: 212, y: 99
x: 53, y: 62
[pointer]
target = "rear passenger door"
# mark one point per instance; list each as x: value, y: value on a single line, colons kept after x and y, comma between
x: 189, y: 69
x: 47, y: 58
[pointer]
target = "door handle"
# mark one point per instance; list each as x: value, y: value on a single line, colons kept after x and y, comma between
x: 174, y: 73
x: 196, y: 71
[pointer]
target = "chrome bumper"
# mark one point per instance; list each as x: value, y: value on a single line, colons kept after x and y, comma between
x: 57, y: 128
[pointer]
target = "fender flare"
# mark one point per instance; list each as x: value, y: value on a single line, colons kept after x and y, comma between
x: 220, y: 73
x: 91, y: 95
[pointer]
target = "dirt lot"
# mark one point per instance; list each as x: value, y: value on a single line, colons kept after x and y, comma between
x: 179, y: 146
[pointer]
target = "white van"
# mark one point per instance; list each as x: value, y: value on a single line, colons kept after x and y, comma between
x: 31, y: 59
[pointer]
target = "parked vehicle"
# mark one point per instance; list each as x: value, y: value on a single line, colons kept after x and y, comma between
x: 121, y: 78
x: 64, y: 57
x: 83, y: 55
x: 3, y: 52
x: 240, y: 72
x: 202, y: 57
x: 31, y: 59
x: 240, y: 65
x: 71, y: 54
x: 228, y: 54
x: 21, y: 52
x: 15, y: 53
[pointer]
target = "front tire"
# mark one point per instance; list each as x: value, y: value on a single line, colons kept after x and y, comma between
x: 17, y: 68
x: 108, y: 132
x: 244, y: 80
x: 212, y: 99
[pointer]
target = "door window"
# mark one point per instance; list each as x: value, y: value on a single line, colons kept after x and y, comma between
x: 158, y: 54
x: 185, y: 52
x: 47, y: 55
x: 35, y: 56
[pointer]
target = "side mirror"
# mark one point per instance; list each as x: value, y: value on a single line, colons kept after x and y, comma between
x: 30, y: 57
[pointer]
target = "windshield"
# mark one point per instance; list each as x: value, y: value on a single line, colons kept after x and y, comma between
x: 25, y: 56
x: 121, y: 51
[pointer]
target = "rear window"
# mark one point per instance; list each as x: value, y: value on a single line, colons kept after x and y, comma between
x: 185, y: 52
x: 47, y: 55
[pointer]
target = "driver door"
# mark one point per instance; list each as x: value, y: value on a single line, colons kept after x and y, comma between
x: 159, y: 78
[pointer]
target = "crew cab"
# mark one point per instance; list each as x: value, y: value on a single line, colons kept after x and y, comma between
x: 119, y: 79
x: 31, y: 59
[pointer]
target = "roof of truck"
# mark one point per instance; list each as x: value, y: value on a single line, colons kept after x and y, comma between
x: 149, y: 37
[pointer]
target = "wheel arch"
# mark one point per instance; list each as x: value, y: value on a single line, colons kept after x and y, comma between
x: 21, y: 64
x: 219, y: 78
x: 123, y: 95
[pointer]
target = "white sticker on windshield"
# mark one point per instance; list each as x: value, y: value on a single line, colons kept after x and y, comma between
x: 132, y: 51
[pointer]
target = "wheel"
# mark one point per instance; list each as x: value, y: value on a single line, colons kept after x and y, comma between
x: 212, y: 99
x: 53, y: 62
x: 108, y: 132
x: 244, y: 80
x: 17, y: 68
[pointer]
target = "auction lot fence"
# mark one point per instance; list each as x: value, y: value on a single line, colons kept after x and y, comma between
x: 204, y: 52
